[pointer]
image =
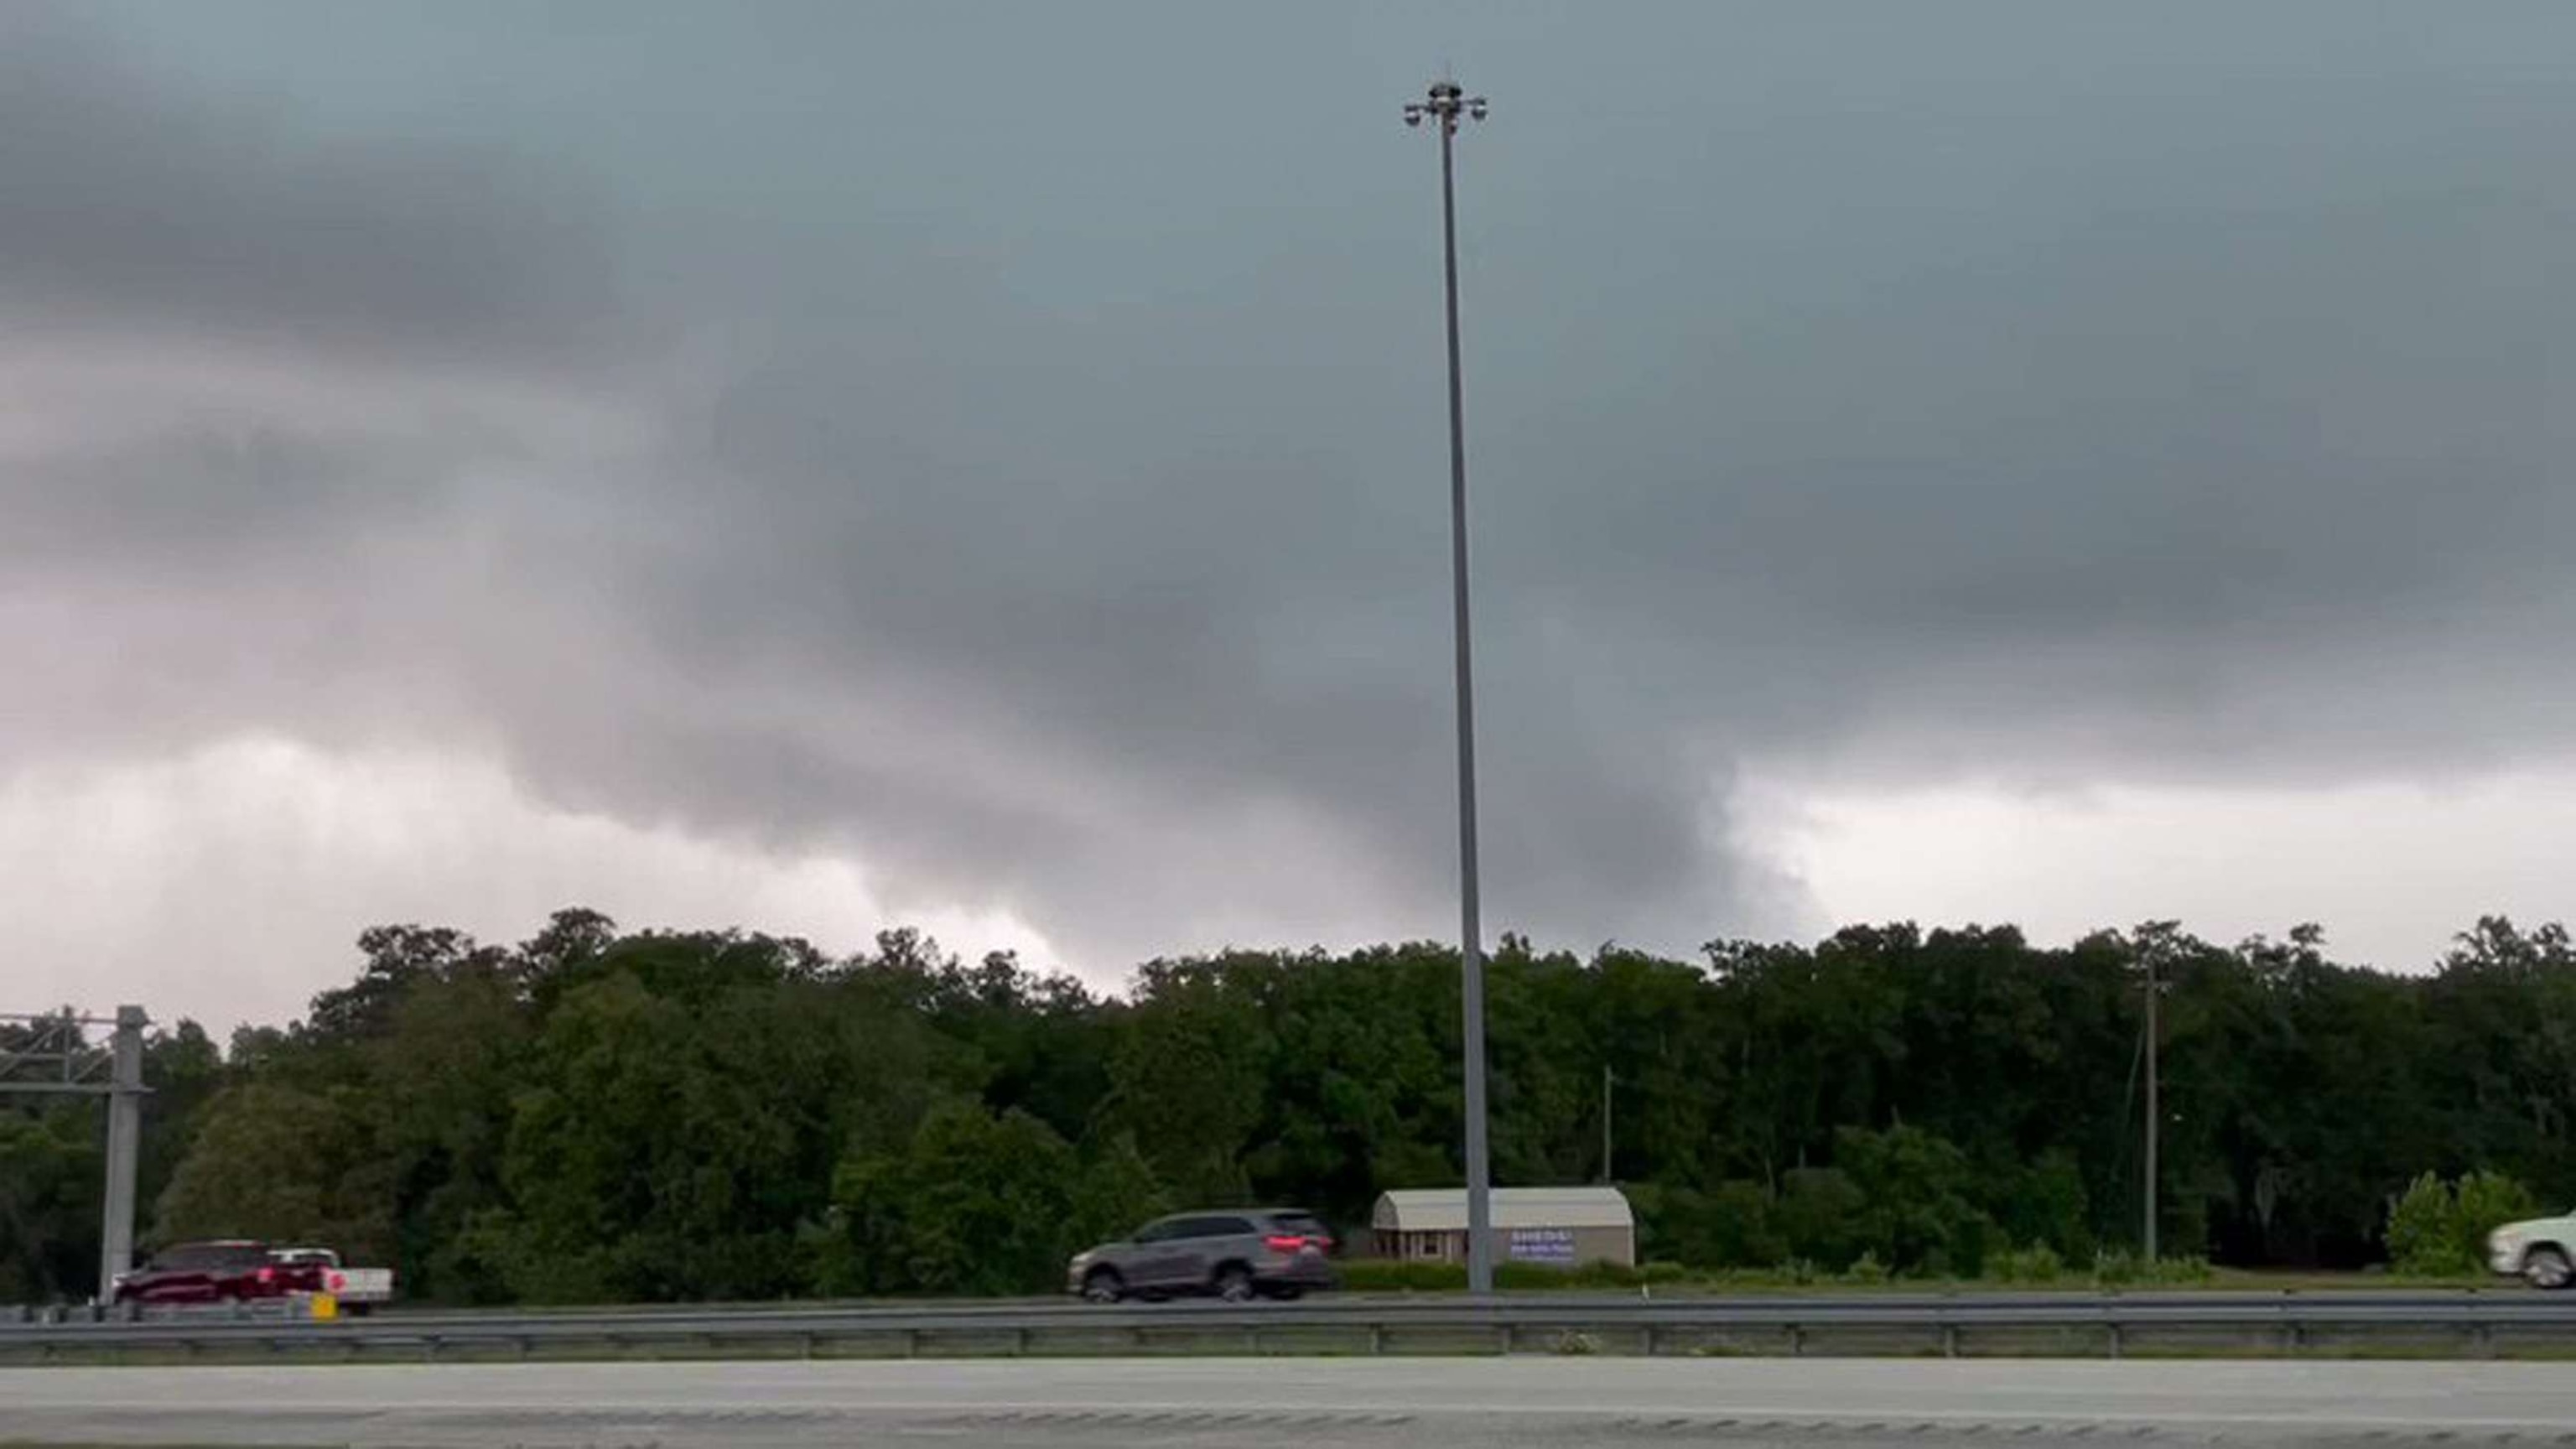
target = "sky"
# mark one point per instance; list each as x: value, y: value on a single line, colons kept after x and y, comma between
x: 819, y: 467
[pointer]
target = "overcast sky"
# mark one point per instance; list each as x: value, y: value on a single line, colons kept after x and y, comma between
x: 824, y: 466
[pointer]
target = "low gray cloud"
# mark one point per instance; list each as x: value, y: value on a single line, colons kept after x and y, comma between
x: 746, y: 426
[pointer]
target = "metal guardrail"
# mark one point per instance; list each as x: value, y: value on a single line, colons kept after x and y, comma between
x: 1536, y: 1322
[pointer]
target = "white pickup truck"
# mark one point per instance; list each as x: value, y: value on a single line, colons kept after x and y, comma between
x: 319, y: 1270
x: 2540, y: 1251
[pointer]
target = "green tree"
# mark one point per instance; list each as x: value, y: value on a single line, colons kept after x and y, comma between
x: 597, y: 1114
x: 1188, y: 1075
x: 285, y: 1164
x: 50, y: 1165
x: 980, y: 1203
x: 1919, y: 1194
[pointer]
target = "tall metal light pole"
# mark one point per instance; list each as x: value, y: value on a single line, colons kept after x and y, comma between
x: 1444, y: 106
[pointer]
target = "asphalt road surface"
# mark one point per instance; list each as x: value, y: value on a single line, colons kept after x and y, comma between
x: 1399, y: 1403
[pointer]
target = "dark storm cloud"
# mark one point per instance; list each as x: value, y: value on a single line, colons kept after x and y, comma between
x: 1050, y: 506
x: 130, y: 194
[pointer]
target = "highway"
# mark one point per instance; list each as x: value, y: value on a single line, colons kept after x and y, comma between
x: 1398, y: 1403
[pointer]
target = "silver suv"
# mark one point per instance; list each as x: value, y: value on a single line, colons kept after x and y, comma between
x: 1237, y: 1255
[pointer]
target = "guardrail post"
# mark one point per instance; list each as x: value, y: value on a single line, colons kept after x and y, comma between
x: 1377, y: 1338
x: 912, y: 1343
x: 2482, y: 1337
x: 804, y: 1345
x: 1020, y: 1342
x: 2114, y: 1344
x: 1949, y: 1340
x: 429, y: 1347
x: 1797, y: 1341
x: 1650, y: 1340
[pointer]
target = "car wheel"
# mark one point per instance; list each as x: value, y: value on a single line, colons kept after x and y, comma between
x: 2547, y: 1268
x: 1287, y: 1292
x: 1234, y: 1283
x: 1103, y: 1285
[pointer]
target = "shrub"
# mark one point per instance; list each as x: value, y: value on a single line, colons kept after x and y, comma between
x: 1596, y: 1274
x: 2424, y: 1233
x: 2488, y: 1201
x: 2439, y: 1229
x: 2124, y: 1269
x: 1819, y: 1213
x: 2177, y: 1272
x: 2037, y: 1263
x: 1379, y: 1275
x: 2043, y: 1204
x: 1729, y: 1226
x: 1866, y: 1269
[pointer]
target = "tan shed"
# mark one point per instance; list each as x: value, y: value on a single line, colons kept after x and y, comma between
x: 1557, y: 1226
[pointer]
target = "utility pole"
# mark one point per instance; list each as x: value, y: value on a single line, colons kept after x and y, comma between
x: 2154, y: 1110
x: 1606, y: 1175
x: 1443, y: 107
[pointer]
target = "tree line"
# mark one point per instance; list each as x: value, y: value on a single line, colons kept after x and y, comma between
x: 595, y: 1115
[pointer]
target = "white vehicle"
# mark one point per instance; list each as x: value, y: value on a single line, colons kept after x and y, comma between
x: 2541, y: 1251
x: 356, y: 1289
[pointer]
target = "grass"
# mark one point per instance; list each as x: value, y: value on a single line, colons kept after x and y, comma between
x: 1666, y: 1278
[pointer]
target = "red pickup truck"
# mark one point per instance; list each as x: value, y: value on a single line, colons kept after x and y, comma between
x: 235, y: 1269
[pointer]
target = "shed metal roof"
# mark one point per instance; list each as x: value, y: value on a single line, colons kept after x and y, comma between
x: 1444, y: 1209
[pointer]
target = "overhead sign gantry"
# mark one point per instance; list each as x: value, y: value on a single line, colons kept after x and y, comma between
x: 60, y: 1053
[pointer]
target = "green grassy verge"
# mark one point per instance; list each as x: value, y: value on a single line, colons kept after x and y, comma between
x: 1369, y: 1276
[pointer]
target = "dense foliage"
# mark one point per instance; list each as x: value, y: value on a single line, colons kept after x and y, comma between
x: 2439, y: 1227
x: 601, y: 1116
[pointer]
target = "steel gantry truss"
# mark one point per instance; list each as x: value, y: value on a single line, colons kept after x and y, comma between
x: 58, y: 1053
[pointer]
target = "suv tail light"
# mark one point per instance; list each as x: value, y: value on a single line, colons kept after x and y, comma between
x: 1284, y: 1243
x: 267, y: 1275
